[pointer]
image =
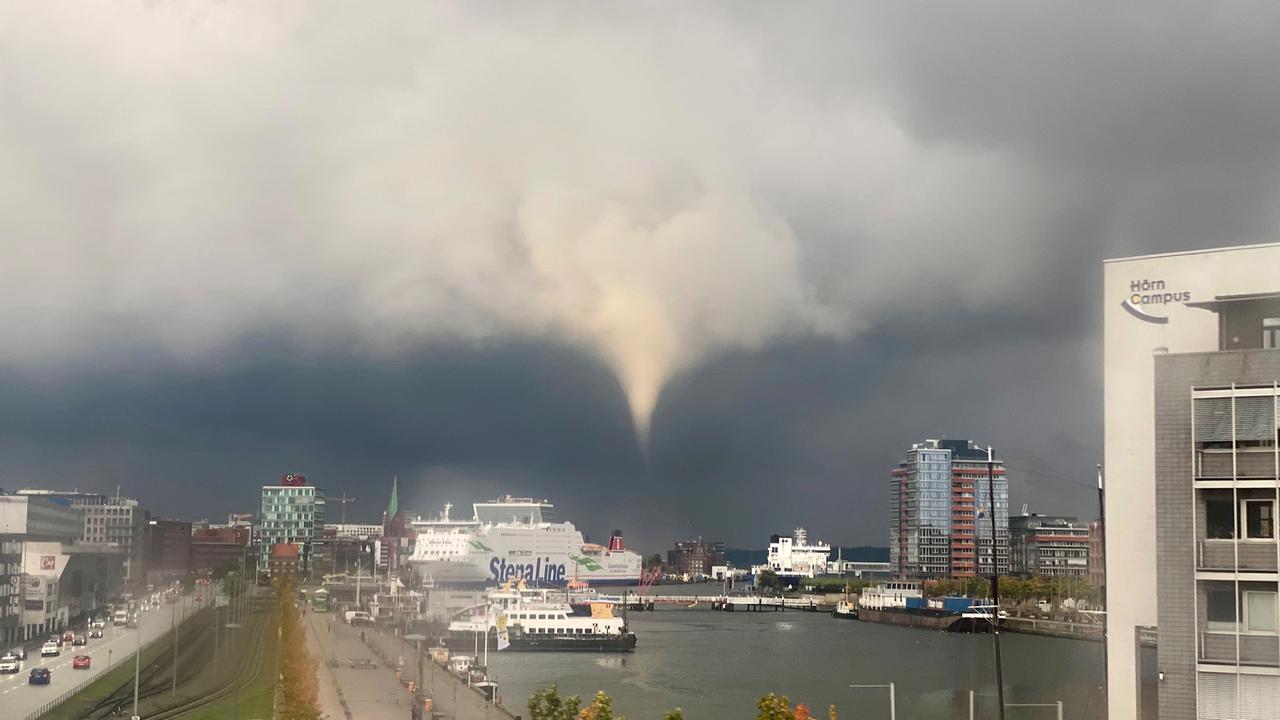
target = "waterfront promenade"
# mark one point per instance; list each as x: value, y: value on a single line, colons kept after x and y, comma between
x: 358, y: 694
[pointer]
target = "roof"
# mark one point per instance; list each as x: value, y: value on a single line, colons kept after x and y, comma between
x: 1224, y: 299
x: 1200, y: 251
x: 284, y: 551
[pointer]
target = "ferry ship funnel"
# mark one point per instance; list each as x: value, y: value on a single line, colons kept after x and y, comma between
x: 615, y: 542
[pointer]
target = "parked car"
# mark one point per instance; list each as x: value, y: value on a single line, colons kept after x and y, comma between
x: 80, y: 640
x: 81, y: 662
x: 50, y: 649
x: 20, y: 652
x: 96, y: 632
x: 10, y: 664
x: 40, y: 676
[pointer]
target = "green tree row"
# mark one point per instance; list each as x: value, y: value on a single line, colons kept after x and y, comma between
x: 549, y: 705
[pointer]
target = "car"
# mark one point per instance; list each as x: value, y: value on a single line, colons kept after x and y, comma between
x: 68, y: 636
x: 50, y: 649
x: 19, y: 652
x: 81, y: 662
x: 40, y: 676
x: 96, y: 632
x: 98, y: 623
x: 10, y: 664
x: 56, y: 640
x: 80, y: 640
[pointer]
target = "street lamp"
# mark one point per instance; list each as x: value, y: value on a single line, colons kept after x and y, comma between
x: 417, y: 641
x: 893, y: 698
x: 235, y: 626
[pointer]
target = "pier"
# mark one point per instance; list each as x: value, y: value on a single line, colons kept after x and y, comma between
x: 743, y: 603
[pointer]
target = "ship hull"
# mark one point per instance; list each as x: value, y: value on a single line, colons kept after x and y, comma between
x: 542, y: 555
x: 615, y: 643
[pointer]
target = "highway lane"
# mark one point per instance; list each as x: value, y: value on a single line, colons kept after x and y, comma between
x: 18, y: 699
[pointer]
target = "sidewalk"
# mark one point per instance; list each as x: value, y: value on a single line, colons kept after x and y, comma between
x: 451, y: 698
x: 347, y: 693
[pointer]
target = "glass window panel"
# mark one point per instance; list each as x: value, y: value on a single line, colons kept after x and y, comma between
x: 1260, y: 611
x: 1221, y: 609
x: 1259, y: 518
x: 1219, y: 518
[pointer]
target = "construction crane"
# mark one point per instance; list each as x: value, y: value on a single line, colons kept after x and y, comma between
x: 344, y: 500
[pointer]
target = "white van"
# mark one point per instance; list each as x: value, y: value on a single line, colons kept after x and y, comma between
x: 357, y: 617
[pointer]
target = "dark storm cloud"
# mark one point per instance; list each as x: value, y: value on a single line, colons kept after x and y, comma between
x: 494, y: 236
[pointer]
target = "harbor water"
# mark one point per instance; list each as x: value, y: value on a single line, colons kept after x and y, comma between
x: 715, y: 665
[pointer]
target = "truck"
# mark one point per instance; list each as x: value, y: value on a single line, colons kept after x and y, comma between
x: 121, y: 617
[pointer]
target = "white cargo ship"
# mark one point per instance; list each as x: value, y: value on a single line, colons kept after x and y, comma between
x: 517, y: 539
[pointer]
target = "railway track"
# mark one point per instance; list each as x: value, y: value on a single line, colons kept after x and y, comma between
x: 155, y: 678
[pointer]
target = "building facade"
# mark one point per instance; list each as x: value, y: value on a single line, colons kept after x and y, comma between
x: 291, y: 512
x: 23, y: 520
x: 1190, y: 371
x: 108, y: 520
x: 167, y: 545
x: 940, y: 512
x: 1050, y: 545
x: 695, y: 558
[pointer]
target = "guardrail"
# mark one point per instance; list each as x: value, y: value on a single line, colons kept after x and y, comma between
x: 89, y: 681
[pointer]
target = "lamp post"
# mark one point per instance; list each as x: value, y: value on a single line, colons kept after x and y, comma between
x: 417, y: 642
x: 235, y: 626
x: 995, y: 580
x: 137, y: 665
x: 893, y: 697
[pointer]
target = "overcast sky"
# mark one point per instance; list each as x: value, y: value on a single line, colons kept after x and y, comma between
x: 704, y: 273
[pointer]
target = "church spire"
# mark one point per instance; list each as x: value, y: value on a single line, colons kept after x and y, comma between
x: 393, y: 506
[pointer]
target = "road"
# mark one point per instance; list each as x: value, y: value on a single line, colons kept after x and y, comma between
x: 19, y: 699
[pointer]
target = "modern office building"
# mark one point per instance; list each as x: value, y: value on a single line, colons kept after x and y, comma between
x: 940, y: 512
x: 108, y: 520
x: 695, y: 558
x: 1191, y: 370
x: 292, y: 512
x: 1048, y: 545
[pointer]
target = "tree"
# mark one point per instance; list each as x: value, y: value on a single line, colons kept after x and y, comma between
x: 653, y: 561
x: 769, y: 580
x: 548, y: 705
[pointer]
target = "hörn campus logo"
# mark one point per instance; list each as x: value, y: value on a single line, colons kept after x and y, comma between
x: 1147, y: 293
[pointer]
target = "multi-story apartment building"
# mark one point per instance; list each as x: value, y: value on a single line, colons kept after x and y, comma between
x: 1048, y: 545
x: 940, y: 511
x: 1192, y: 371
x: 292, y: 512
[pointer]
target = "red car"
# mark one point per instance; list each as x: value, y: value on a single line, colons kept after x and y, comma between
x: 81, y: 662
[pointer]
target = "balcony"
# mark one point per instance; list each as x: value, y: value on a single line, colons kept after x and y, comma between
x: 1255, y: 556
x: 1257, y: 650
x: 1259, y: 463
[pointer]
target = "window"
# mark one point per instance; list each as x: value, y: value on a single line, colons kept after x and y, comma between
x: 1259, y: 611
x: 1259, y: 519
x: 1221, y: 608
x: 1271, y: 333
x: 1219, y: 518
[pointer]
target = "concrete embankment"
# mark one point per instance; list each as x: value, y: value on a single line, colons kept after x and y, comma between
x: 1052, y: 628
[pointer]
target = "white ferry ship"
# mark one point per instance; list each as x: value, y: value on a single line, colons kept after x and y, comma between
x: 517, y: 539
x: 793, y: 558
